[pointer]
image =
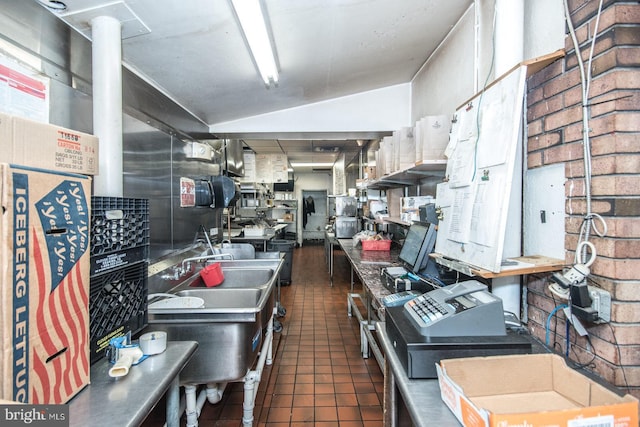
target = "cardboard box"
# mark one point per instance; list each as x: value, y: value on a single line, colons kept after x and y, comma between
x: 288, y: 217
x: 406, y: 148
x: 534, y: 390
x: 44, y: 287
x: 370, y: 172
x: 40, y: 145
x: 410, y: 215
x: 412, y: 203
x: 432, y: 137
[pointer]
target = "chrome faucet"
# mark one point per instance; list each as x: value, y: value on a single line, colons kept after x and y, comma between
x: 185, y: 266
x: 186, y: 263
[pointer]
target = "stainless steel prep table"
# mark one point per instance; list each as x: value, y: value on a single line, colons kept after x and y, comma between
x: 421, y: 397
x: 264, y: 239
x: 128, y: 400
x: 368, y: 265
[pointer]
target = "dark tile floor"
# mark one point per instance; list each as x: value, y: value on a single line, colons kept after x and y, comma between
x: 318, y: 377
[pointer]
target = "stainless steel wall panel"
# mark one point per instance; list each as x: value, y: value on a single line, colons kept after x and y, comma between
x: 139, y: 96
x: 66, y: 57
x: 154, y: 161
x: 70, y: 108
x: 153, y: 124
x: 147, y: 166
x: 187, y: 220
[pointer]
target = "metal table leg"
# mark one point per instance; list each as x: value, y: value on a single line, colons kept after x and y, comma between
x: 173, y: 404
x: 331, y: 262
x: 389, y: 408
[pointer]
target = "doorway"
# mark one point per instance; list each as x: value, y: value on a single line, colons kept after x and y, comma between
x: 314, y: 215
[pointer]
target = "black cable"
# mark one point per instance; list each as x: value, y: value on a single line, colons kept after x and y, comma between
x: 555, y: 325
x: 624, y: 374
x: 577, y: 365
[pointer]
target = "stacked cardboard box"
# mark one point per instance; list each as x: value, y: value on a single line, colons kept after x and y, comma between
x: 45, y: 146
x: 44, y: 288
x: 432, y: 137
x: 45, y: 250
x: 405, y: 148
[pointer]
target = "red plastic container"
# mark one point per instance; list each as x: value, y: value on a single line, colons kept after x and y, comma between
x: 212, y: 275
x: 376, y: 245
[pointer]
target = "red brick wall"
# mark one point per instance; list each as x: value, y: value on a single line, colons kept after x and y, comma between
x: 554, y: 116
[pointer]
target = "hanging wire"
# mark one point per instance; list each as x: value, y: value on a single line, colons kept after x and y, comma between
x: 624, y: 374
x: 584, y: 249
x: 548, y: 324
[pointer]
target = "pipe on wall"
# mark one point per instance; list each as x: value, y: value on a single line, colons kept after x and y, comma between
x: 107, y: 104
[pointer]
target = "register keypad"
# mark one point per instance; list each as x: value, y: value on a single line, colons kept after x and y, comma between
x: 424, y: 310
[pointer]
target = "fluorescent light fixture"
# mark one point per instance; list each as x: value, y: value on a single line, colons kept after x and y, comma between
x: 312, y: 164
x: 253, y: 25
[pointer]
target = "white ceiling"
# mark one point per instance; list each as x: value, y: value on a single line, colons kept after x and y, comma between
x: 194, y: 51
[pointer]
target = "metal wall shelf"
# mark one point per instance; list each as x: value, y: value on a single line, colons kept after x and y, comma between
x: 409, y: 176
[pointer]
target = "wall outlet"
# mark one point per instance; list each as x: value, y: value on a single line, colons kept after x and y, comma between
x: 601, y: 303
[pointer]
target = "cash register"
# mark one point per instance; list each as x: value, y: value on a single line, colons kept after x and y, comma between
x: 459, y: 320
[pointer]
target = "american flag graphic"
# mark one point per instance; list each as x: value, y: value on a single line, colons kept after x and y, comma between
x: 60, y: 364
x: 49, y: 358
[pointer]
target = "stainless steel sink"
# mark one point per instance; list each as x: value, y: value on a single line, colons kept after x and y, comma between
x: 231, y: 324
x: 236, y: 277
x: 226, y: 299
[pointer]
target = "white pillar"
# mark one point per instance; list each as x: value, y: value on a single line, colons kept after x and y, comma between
x: 509, y: 51
x: 508, y: 289
x: 509, y: 37
x: 107, y: 103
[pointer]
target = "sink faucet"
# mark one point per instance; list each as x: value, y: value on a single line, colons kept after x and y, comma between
x: 185, y: 266
x: 186, y: 263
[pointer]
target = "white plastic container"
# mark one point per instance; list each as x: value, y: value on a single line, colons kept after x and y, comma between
x: 153, y: 342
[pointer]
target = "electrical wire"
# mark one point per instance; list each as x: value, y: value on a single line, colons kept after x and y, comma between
x: 590, y: 362
x: 585, y: 80
x: 548, y: 324
x: 555, y: 326
x: 567, y: 346
x: 434, y: 280
x: 624, y: 374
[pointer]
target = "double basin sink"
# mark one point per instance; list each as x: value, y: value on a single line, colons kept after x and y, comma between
x: 231, y: 324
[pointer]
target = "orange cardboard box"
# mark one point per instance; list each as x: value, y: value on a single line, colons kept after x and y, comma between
x: 532, y: 390
x: 41, y: 145
x: 370, y: 172
x: 44, y: 285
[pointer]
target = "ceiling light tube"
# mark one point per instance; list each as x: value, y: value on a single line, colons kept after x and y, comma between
x: 311, y: 164
x: 253, y: 25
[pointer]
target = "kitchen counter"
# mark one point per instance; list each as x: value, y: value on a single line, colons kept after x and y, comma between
x: 270, y: 234
x: 128, y: 400
x: 368, y: 265
x: 421, y: 397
